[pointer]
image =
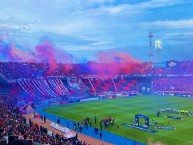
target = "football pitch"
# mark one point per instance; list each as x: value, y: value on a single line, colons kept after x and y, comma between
x: 123, y: 110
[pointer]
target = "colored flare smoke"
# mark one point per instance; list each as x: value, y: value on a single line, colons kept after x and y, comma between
x: 45, y: 53
x: 20, y: 55
x: 10, y: 52
x: 114, y: 62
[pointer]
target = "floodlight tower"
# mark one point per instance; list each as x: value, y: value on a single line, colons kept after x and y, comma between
x: 150, y: 48
x: 158, y: 48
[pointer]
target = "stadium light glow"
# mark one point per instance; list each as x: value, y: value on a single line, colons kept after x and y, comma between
x: 158, y: 44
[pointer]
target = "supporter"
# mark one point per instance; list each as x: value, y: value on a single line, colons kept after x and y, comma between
x: 173, y: 85
x: 15, y: 131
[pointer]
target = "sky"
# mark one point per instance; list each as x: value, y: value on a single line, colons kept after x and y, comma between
x: 84, y: 28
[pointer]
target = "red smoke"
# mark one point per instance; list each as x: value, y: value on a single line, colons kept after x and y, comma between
x: 108, y: 62
x: 10, y: 52
x: 65, y: 58
x: 19, y: 55
x: 46, y: 53
x: 114, y: 62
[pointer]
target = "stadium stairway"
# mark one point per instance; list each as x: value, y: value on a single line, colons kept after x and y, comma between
x: 107, y: 136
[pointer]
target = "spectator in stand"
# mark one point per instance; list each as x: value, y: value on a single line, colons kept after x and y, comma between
x: 13, y: 128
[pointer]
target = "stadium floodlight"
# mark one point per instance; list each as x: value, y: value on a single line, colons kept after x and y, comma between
x: 158, y: 48
x: 158, y: 44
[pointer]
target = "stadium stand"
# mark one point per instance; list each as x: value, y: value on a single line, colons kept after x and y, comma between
x: 60, y: 86
x: 126, y: 85
x: 173, y: 85
x: 15, y: 128
x: 88, y: 83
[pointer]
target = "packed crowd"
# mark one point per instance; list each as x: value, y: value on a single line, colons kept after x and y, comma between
x: 9, y: 70
x: 16, y: 130
x: 180, y: 85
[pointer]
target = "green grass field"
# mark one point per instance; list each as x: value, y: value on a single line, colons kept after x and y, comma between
x: 124, y: 110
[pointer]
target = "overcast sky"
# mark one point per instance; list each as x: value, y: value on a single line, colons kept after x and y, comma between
x: 86, y: 27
